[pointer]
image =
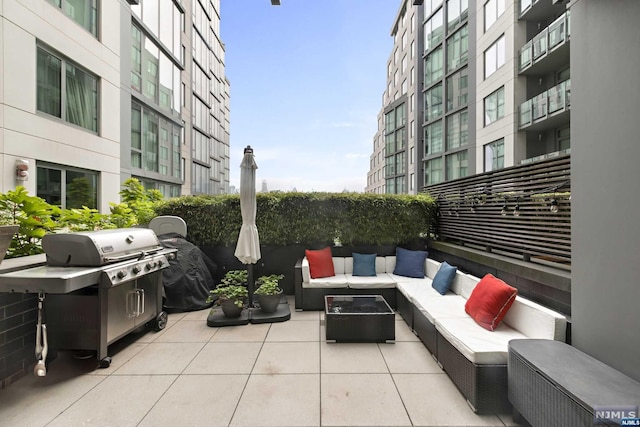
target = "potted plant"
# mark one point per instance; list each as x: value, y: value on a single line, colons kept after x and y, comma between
x: 231, y: 293
x: 268, y: 292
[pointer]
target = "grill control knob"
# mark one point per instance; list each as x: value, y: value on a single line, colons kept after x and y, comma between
x: 136, y: 269
x: 160, y: 262
x: 148, y: 266
x: 121, y: 274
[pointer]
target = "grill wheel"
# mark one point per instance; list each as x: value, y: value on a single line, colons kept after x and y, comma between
x: 161, y: 321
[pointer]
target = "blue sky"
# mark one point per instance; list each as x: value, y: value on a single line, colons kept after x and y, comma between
x: 307, y: 79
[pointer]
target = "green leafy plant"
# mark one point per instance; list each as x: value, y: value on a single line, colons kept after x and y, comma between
x: 268, y: 285
x: 33, y: 215
x: 235, y: 277
x: 234, y: 293
x: 138, y: 201
x: 232, y: 287
x: 85, y: 219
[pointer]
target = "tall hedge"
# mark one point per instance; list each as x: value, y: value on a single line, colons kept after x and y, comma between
x: 307, y: 218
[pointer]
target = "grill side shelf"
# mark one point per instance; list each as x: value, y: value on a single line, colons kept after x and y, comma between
x: 49, y: 279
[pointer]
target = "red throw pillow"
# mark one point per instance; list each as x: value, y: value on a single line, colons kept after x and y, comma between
x: 489, y: 302
x: 320, y: 263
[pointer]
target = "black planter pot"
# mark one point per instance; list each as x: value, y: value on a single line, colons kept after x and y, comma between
x: 230, y: 309
x: 268, y: 303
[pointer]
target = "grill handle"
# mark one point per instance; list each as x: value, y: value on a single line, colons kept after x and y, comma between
x: 140, y: 255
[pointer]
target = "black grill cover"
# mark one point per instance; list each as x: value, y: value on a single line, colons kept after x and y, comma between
x: 188, y: 279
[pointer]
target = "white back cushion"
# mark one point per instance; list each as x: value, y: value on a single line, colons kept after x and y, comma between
x: 390, y: 262
x: 381, y: 265
x: 536, y: 321
x: 463, y: 284
x: 339, y: 265
x: 431, y: 267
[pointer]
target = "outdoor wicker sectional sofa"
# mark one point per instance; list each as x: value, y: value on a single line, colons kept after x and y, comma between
x: 474, y: 358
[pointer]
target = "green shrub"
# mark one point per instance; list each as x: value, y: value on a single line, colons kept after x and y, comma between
x: 307, y: 219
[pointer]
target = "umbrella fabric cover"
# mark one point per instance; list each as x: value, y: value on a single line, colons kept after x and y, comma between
x: 248, y: 247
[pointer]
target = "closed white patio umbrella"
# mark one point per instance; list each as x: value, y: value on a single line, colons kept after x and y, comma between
x: 248, y: 247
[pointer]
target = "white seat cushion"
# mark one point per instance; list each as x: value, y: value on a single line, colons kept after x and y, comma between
x: 477, y: 344
x: 337, y: 281
x: 440, y: 306
x: 381, y: 281
x: 412, y: 287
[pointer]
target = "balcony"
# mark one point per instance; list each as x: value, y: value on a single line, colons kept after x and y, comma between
x: 548, y: 50
x: 536, y: 10
x: 546, y: 110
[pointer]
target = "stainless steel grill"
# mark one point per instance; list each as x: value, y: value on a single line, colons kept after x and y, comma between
x: 96, y: 287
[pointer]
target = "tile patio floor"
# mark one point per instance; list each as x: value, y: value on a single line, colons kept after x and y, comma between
x: 280, y: 374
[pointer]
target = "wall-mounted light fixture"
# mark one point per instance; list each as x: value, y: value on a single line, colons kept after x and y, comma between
x: 22, y: 170
x: 553, y: 206
x: 516, y: 209
x: 505, y: 208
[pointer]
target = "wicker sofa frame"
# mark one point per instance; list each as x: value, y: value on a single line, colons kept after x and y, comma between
x: 484, y: 386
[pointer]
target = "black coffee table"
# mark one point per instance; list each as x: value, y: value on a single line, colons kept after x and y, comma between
x: 358, y: 318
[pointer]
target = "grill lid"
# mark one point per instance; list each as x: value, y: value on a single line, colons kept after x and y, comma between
x: 97, y: 248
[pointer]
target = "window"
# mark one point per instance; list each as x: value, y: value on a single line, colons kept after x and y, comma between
x: 155, y: 143
x: 494, y: 57
x: 404, y: 40
x: 458, y: 89
x: 166, y: 21
x: 404, y: 86
x: 84, y: 12
x: 433, y: 171
x: 156, y: 76
x: 457, y: 12
x: 494, y: 155
x: 413, y: 49
x: 458, y: 49
x: 74, y: 98
x: 433, y: 31
x: 457, y: 130
x: 430, y: 6
x: 564, y: 138
x: 493, y: 9
x: 433, y: 138
x: 433, y: 67
x: 136, y: 58
x: 433, y: 106
x: 403, y: 67
x: 494, y: 106
x: 401, y: 160
x: 69, y: 188
x: 457, y: 165
x: 395, y: 151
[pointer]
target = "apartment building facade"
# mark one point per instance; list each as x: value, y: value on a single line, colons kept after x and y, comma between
x: 494, y: 91
x: 397, y: 140
x: 94, y: 92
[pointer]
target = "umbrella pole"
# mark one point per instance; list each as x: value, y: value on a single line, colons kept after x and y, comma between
x: 250, y: 284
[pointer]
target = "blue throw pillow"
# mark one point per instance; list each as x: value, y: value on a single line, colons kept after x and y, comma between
x: 364, y: 264
x: 444, y: 278
x: 410, y: 263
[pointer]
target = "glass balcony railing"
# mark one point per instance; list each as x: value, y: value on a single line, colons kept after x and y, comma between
x: 548, y: 102
x: 548, y: 39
